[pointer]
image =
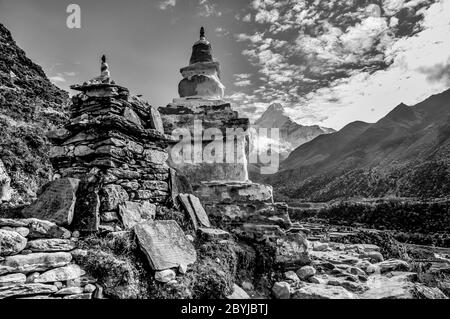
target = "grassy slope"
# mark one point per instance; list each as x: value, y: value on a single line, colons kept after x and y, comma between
x: 29, y: 105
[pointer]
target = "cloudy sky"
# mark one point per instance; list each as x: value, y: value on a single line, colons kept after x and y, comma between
x: 329, y: 62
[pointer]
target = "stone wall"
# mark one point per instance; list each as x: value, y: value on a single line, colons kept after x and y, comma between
x: 37, y: 262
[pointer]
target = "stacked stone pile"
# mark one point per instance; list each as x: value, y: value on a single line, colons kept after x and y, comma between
x: 115, y: 146
x: 36, y: 261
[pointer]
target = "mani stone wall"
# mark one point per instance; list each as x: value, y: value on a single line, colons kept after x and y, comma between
x: 115, y: 145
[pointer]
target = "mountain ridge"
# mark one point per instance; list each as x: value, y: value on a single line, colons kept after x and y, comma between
x: 379, y: 159
x: 292, y: 134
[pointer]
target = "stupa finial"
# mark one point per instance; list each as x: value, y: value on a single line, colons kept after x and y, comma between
x: 202, y: 33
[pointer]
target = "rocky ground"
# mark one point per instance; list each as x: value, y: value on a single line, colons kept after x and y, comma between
x: 42, y: 260
x: 366, y: 271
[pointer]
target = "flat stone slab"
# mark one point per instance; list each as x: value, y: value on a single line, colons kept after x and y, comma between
x: 165, y: 245
x: 12, y: 280
x: 213, y: 234
x: 199, y: 211
x: 51, y: 245
x: 34, y: 262
x: 26, y: 290
x: 56, y: 203
x: 69, y: 272
x: 79, y: 296
x: 156, y: 120
x: 132, y: 213
x: 186, y: 204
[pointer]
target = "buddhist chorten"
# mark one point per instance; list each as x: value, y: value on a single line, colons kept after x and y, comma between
x: 223, y: 186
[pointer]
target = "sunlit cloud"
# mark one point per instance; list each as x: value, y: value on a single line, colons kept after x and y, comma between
x: 166, y: 4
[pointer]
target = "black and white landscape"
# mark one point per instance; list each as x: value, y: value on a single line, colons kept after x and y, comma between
x: 116, y: 180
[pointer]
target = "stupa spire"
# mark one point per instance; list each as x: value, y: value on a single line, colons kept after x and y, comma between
x: 202, y: 50
x: 202, y: 33
x: 201, y: 79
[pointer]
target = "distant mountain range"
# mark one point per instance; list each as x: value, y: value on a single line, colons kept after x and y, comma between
x: 406, y: 153
x: 292, y: 134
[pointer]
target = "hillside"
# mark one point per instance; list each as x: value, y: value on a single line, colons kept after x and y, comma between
x: 403, y: 154
x: 29, y: 105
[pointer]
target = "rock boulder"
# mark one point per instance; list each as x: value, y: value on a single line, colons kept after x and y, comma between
x: 281, y: 290
x: 69, y: 272
x: 11, y: 243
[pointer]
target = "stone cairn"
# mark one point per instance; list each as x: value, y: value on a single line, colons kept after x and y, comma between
x: 225, y: 190
x: 115, y: 146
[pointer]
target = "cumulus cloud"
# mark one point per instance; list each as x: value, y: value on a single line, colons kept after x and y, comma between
x: 265, y: 16
x: 208, y: 8
x: 70, y: 73
x: 243, y: 83
x: 221, y: 31
x: 247, y: 18
x: 57, y: 78
x: 242, y: 76
x: 420, y: 67
x: 163, y: 5
x: 438, y: 73
x: 331, y: 62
